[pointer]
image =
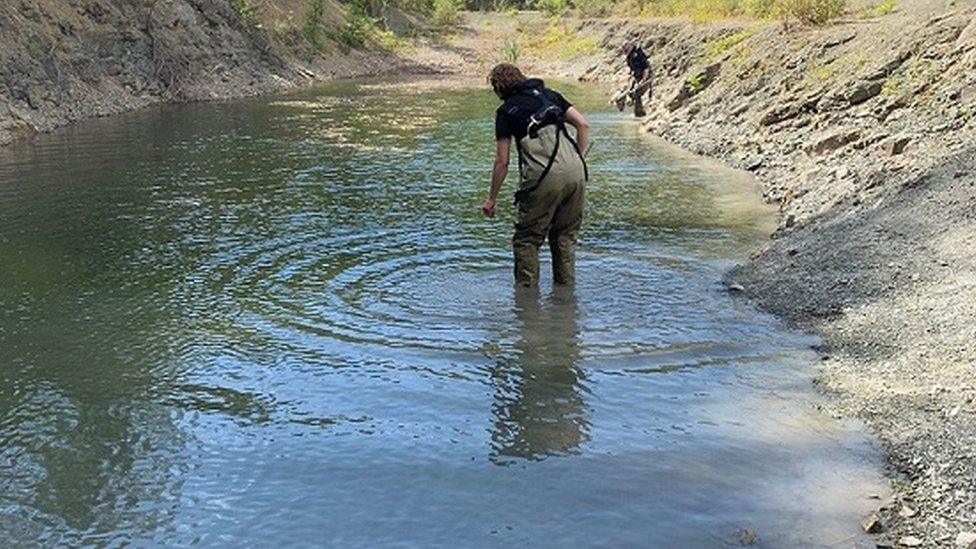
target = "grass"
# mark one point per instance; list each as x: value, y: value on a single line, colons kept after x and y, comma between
x: 511, y: 51
x: 559, y: 41
x: 815, y: 12
x: 717, y: 47
x: 246, y: 10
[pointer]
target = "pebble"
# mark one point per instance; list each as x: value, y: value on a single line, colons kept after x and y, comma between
x: 966, y: 540
x: 910, y: 541
x: 872, y: 524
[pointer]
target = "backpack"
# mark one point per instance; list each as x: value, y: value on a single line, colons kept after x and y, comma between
x: 545, y: 131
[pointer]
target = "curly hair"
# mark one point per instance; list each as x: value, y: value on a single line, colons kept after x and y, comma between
x: 504, y: 77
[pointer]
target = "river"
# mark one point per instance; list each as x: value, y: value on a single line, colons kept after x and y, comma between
x: 284, y: 321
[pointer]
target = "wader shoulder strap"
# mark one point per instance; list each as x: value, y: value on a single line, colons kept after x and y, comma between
x: 522, y: 193
x: 586, y: 169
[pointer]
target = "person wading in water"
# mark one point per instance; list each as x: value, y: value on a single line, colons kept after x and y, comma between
x: 551, y: 168
x: 640, y: 80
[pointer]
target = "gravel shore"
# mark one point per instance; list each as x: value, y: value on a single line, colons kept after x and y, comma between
x: 863, y: 133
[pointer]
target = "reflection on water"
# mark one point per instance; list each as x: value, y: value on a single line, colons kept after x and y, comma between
x: 284, y: 321
x: 538, y: 409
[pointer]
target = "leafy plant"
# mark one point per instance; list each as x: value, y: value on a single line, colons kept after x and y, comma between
x: 552, y: 8
x: 884, y: 7
x: 245, y: 9
x: 446, y: 13
x: 511, y: 51
x: 696, y: 83
x: 312, y: 25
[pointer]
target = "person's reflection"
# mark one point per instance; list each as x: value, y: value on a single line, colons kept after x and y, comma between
x: 538, y: 408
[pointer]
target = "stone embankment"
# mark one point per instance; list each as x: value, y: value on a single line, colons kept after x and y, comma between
x: 863, y: 132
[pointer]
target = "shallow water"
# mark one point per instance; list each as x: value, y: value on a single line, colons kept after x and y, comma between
x: 285, y: 321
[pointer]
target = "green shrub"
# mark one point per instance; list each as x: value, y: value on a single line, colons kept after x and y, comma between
x: 245, y: 9
x: 313, y: 24
x: 884, y: 7
x: 358, y: 28
x: 511, y: 52
x: 815, y: 12
x: 552, y: 8
x: 446, y: 13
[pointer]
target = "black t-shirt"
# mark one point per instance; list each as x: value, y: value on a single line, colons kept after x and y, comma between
x: 637, y: 61
x: 509, y: 125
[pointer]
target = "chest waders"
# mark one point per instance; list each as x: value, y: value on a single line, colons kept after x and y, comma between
x: 550, y: 197
x: 541, y: 151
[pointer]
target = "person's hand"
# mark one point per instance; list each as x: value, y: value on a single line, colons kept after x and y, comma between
x: 488, y: 207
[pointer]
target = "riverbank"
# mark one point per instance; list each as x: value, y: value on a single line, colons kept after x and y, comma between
x: 862, y: 132
x: 62, y: 62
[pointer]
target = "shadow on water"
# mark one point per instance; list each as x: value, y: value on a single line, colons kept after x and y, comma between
x: 283, y: 321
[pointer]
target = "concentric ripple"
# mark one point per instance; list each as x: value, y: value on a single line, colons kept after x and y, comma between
x: 285, y: 323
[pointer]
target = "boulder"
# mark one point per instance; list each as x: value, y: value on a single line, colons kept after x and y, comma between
x: 910, y: 541
x: 966, y: 540
x: 400, y: 22
x: 872, y: 524
x: 893, y: 146
x: 831, y: 141
x: 967, y: 39
x: 862, y: 91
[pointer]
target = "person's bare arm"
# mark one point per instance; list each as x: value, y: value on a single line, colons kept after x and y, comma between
x: 498, y: 172
x: 577, y: 120
x: 646, y: 77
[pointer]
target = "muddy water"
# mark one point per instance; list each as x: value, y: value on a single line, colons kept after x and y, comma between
x: 283, y: 321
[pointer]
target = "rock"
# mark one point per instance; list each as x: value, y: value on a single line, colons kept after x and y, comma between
x: 400, y: 22
x: 966, y: 540
x: 746, y: 537
x: 910, y: 541
x: 894, y: 146
x: 736, y: 288
x: 832, y: 141
x: 864, y: 91
x: 872, y: 524
x: 968, y: 95
x: 907, y: 512
x: 694, y: 85
x: 967, y: 39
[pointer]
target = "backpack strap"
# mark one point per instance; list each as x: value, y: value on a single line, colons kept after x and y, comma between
x: 522, y: 193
